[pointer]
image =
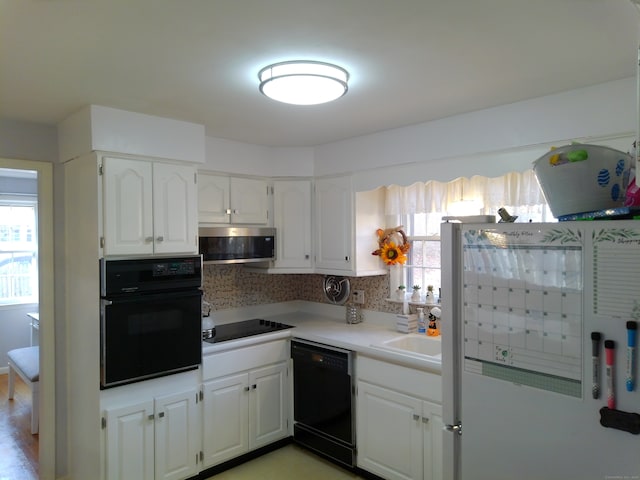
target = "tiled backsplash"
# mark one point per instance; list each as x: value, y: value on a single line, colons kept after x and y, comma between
x: 232, y: 286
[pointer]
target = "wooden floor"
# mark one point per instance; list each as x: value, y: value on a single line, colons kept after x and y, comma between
x: 18, y: 448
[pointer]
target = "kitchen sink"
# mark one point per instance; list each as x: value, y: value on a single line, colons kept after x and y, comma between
x: 413, y: 344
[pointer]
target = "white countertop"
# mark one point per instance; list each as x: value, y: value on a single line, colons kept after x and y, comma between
x: 317, y: 327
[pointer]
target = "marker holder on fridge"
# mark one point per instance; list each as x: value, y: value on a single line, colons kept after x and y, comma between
x: 610, y: 417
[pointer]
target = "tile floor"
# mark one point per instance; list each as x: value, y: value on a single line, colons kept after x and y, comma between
x: 287, y: 463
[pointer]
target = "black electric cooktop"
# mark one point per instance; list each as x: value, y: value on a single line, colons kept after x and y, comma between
x: 246, y: 328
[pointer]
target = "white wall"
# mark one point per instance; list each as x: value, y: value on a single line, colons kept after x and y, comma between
x: 243, y: 158
x: 39, y: 142
x: 28, y: 141
x: 487, y: 142
x: 458, y: 146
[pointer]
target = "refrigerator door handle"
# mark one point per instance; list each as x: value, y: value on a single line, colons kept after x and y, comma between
x: 454, y: 428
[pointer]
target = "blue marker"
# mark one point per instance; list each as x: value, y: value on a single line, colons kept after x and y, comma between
x: 631, y: 350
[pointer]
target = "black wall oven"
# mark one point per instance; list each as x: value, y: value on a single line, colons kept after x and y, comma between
x: 150, y: 319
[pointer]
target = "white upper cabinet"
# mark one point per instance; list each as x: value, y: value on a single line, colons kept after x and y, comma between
x: 334, y: 210
x: 236, y: 200
x: 175, y: 219
x: 346, y: 223
x: 148, y: 207
x: 292, y: 220
x: 213, y: 199
x: 128, y: 206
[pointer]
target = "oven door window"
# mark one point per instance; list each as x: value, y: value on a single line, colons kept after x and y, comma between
x: 150, y: 335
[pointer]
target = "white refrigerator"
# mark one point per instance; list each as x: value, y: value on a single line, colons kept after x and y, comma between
x: 520, y: 303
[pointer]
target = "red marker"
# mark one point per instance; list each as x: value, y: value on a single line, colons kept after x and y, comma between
x: 610, y: 352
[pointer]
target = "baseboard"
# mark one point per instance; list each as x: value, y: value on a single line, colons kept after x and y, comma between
x: 4, y: 370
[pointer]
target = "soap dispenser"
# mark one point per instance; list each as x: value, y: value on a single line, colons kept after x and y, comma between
x: 422, y: 326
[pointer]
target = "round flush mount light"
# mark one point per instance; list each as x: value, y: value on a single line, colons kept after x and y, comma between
x: 303, y: 82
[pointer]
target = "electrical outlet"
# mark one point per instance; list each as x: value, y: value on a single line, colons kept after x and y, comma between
x: 358, y: 296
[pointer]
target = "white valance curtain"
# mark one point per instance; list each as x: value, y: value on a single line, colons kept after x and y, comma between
x: 515, y: 188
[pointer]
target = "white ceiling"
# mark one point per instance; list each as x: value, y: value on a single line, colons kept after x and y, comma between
x: 410, y: 61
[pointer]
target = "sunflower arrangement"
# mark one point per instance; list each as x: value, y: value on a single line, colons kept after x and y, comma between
x: 390, y: 252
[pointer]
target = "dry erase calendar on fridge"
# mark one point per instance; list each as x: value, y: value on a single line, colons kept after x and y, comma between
x: 522, y: 307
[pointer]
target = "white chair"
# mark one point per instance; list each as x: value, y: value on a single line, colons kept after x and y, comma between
x: 26, y: 363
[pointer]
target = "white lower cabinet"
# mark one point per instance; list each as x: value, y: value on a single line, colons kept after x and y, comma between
x: 399, y: 422
x: 244, y: 411
x: 225, y: 418
x: 398, y: 434
x: 153, y: 439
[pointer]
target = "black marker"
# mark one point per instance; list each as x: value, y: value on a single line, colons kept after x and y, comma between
x: 595, y: 354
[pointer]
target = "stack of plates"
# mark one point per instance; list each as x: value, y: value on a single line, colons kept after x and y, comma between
x: 406, y: 323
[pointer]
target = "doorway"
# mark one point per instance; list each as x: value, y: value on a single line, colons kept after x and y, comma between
x: 47, y: 435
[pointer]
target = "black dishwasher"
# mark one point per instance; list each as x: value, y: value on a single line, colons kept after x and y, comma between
x: 323, y: 405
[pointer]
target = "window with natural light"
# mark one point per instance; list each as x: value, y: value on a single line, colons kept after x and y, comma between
x: 421, y: 207
x: 18, y: 251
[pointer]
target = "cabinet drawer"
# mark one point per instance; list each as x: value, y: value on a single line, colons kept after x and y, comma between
x: 245, y: 358
x: 402, y: 379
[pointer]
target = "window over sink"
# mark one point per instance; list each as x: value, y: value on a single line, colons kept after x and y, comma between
x: 420, y: 208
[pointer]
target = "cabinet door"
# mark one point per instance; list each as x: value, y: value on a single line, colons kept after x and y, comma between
x: 127, y: 206
x: 249, y: 201
x: 176, y: 436
x: 213, y: 199
x: 268, y: 407
x: 175, y: 221
x: 292, y: 219
x: 334, y: 213
x: 433, y: 431
x: 129, y: 442
x: 390, y: 434
x: 225, y: 419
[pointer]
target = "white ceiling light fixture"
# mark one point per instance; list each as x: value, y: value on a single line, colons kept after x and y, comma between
x: 303, y: 82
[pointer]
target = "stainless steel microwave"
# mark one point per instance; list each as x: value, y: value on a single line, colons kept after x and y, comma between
x: 237, y: 244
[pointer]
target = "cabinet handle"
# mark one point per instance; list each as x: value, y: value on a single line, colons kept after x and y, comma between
x: 161, y: 415
x: 160, y: 239
x: 235, y: 211
x: 148, y: 239
x: 246, y: 389
x: 150, y: 417
x: 416, y: 417
x: 228, y: 211
x: 254, y: 386
x: 346, y: 259
x: 306, y: 257
x: 425, y: 420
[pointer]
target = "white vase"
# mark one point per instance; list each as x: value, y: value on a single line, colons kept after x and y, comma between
x: 415, y: 296
x: 400, y: 294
